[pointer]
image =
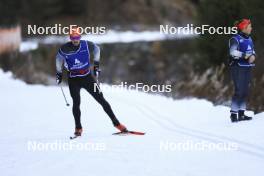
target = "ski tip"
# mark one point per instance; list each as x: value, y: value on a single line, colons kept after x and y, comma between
x: 137, y: 132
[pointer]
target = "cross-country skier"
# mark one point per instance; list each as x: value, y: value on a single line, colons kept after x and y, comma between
x: 242, y: 58
x: 75, y: 57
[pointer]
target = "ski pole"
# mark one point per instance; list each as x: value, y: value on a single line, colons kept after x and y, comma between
x: 97, y: 80
x: 67, y: 104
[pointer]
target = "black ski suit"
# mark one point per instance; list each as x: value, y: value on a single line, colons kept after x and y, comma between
x: 85, y: 81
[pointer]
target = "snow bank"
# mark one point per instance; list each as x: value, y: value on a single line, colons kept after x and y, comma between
x: 110, y: 37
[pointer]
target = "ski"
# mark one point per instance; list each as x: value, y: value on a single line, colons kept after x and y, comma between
x: 74, y: 137
x: 129, y: 133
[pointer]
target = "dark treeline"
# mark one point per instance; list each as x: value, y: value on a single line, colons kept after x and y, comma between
x: 95, y: 12
x: 39, y: 11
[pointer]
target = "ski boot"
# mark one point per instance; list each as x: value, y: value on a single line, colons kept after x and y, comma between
x: 121, y: 128
x: 78, y: 131
x: 233, y: 117
x: 242, y: 116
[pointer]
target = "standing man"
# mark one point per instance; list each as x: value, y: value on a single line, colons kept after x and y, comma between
x: 75, y: 56
x: 242, y: 58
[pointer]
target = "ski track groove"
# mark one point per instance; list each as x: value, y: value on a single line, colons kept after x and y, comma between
x: 244, y: 147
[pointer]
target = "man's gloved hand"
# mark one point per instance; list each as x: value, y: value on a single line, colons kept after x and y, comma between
x: 252, y: 59
x: 58, y: 78
x: 96, y: 70
x: 247, y: 56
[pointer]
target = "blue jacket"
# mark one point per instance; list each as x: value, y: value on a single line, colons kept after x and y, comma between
x: 78, y: 62
x: 240, y: 46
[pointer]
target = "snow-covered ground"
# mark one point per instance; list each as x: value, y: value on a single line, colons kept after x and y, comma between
x: 36, y: 114
x: 110, y: 37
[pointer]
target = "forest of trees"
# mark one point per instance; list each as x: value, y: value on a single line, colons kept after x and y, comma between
x: 121, y: 12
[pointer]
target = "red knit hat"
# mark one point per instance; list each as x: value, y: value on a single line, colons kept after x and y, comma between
x: 75, y: 33
x: 243, y: 24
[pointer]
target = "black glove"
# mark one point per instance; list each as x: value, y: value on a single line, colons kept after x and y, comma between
x: 58, y: 78
x: 96, y: 70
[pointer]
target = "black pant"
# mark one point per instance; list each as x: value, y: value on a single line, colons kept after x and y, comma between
x: 241, y: 77
x: 88, y: 83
